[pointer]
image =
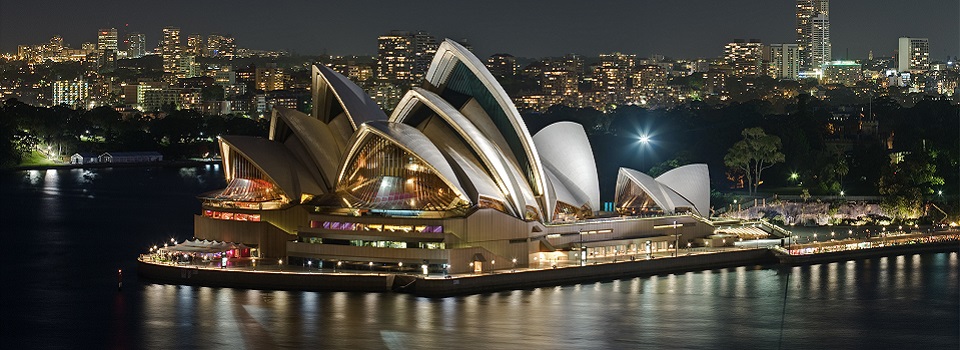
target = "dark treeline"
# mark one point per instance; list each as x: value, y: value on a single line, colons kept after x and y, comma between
x: 902, y: 151
x: 64, y: 131
x: 906, y: 154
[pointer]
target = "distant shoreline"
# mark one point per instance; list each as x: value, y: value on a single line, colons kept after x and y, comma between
x: 165, y: 163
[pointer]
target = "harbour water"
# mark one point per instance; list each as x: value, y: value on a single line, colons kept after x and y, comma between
x: 68, y: 232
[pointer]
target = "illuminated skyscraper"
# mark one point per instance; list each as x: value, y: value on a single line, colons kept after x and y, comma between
x: 784, y: 61
x: 610, y: 79
x: 813, y: 32
x: 913, y: 54
x: 270, y: 78
x: 402, y: 61
x: 820, y: 48
x: 403, y: 57
x: 194, y: 45
x: 220, y: 46
x: 745, y: 58
x: 107, y: 39
x: 136, y: 45
x: 170, y: 49
x: 424, y: 48
x: 393, y: 57
x: 73, y: 93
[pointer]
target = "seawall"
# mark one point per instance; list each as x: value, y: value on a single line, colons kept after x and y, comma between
x: 845, y: 255
x: 525, y: 279
x: 442, y: 287
x: 275, y: 280
x: 503, y: 280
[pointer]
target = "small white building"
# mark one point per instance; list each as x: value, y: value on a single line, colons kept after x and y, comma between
x: 84, y: 158
x: 130, y: 157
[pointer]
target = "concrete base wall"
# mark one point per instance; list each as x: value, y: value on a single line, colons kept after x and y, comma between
x: 868, y: 253
x: 264, y: 280
x: 590, y: 273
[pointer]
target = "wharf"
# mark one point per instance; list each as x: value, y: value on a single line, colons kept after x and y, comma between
x: 443, y: 286
x: 274, y: 278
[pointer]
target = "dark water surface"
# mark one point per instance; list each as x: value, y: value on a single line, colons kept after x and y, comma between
x: 67, y: 232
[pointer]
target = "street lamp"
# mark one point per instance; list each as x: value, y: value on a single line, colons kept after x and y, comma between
x: 339, y: 263
x: 309, y: 265
x: 280, y: 263
x: 514, y: 264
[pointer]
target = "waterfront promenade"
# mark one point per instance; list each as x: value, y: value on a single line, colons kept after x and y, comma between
x: 259, y: 274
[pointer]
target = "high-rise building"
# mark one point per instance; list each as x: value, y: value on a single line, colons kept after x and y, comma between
x: 821, y: 50
x: 402, y: 61
x: 393, y: 57
x: 194, y: 45
x: 221, y: 46
x: 745, y: 58
x: 424, y: 48
x: 502, y: 65
x: 913, y: 54
x: 403, y: 57
x: 784, y: 60
x: 650, y: 80
x: 136, y: 45
x: 107, y: 39
x: 170, y: 49
x: 187, y: 67
x: 809, y: 20
x: 270, y: 78
x: 73, y: 93
x: 611, y: 80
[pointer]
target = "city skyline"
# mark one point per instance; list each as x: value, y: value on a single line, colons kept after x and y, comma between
x: 524, y: 30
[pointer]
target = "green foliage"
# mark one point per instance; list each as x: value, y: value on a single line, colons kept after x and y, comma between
x: 903, y: 185
x: 754, y: 154
x: 182, y: 133
x: 682, y: 158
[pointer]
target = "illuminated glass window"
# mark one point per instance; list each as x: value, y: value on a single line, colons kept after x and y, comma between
x: 634, y: 200
x: 382, y: 175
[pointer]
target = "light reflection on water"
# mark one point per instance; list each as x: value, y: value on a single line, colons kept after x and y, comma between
x: 71, y: 230
x: 737, y: 307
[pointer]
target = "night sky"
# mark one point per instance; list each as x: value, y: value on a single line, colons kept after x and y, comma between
x: 685, y: 29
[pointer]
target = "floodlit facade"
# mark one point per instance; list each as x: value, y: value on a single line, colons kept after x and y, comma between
x: 452, y: 179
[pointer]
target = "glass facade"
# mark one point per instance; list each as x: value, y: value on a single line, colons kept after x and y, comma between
x: 383, y: 175
x: 633, y: 200
x: 220, y: 215
x: 463, y: 81
x: 356, y: 226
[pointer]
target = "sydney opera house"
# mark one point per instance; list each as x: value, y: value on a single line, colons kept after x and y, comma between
x: 452, y: 179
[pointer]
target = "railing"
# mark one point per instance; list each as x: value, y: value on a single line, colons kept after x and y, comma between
x: 776, y: 228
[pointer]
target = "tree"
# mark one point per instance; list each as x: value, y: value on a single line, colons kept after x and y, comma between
x: 904, y: 183
x: 754, y: 154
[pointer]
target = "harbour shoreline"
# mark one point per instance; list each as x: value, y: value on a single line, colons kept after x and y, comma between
x: 504, y: 280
